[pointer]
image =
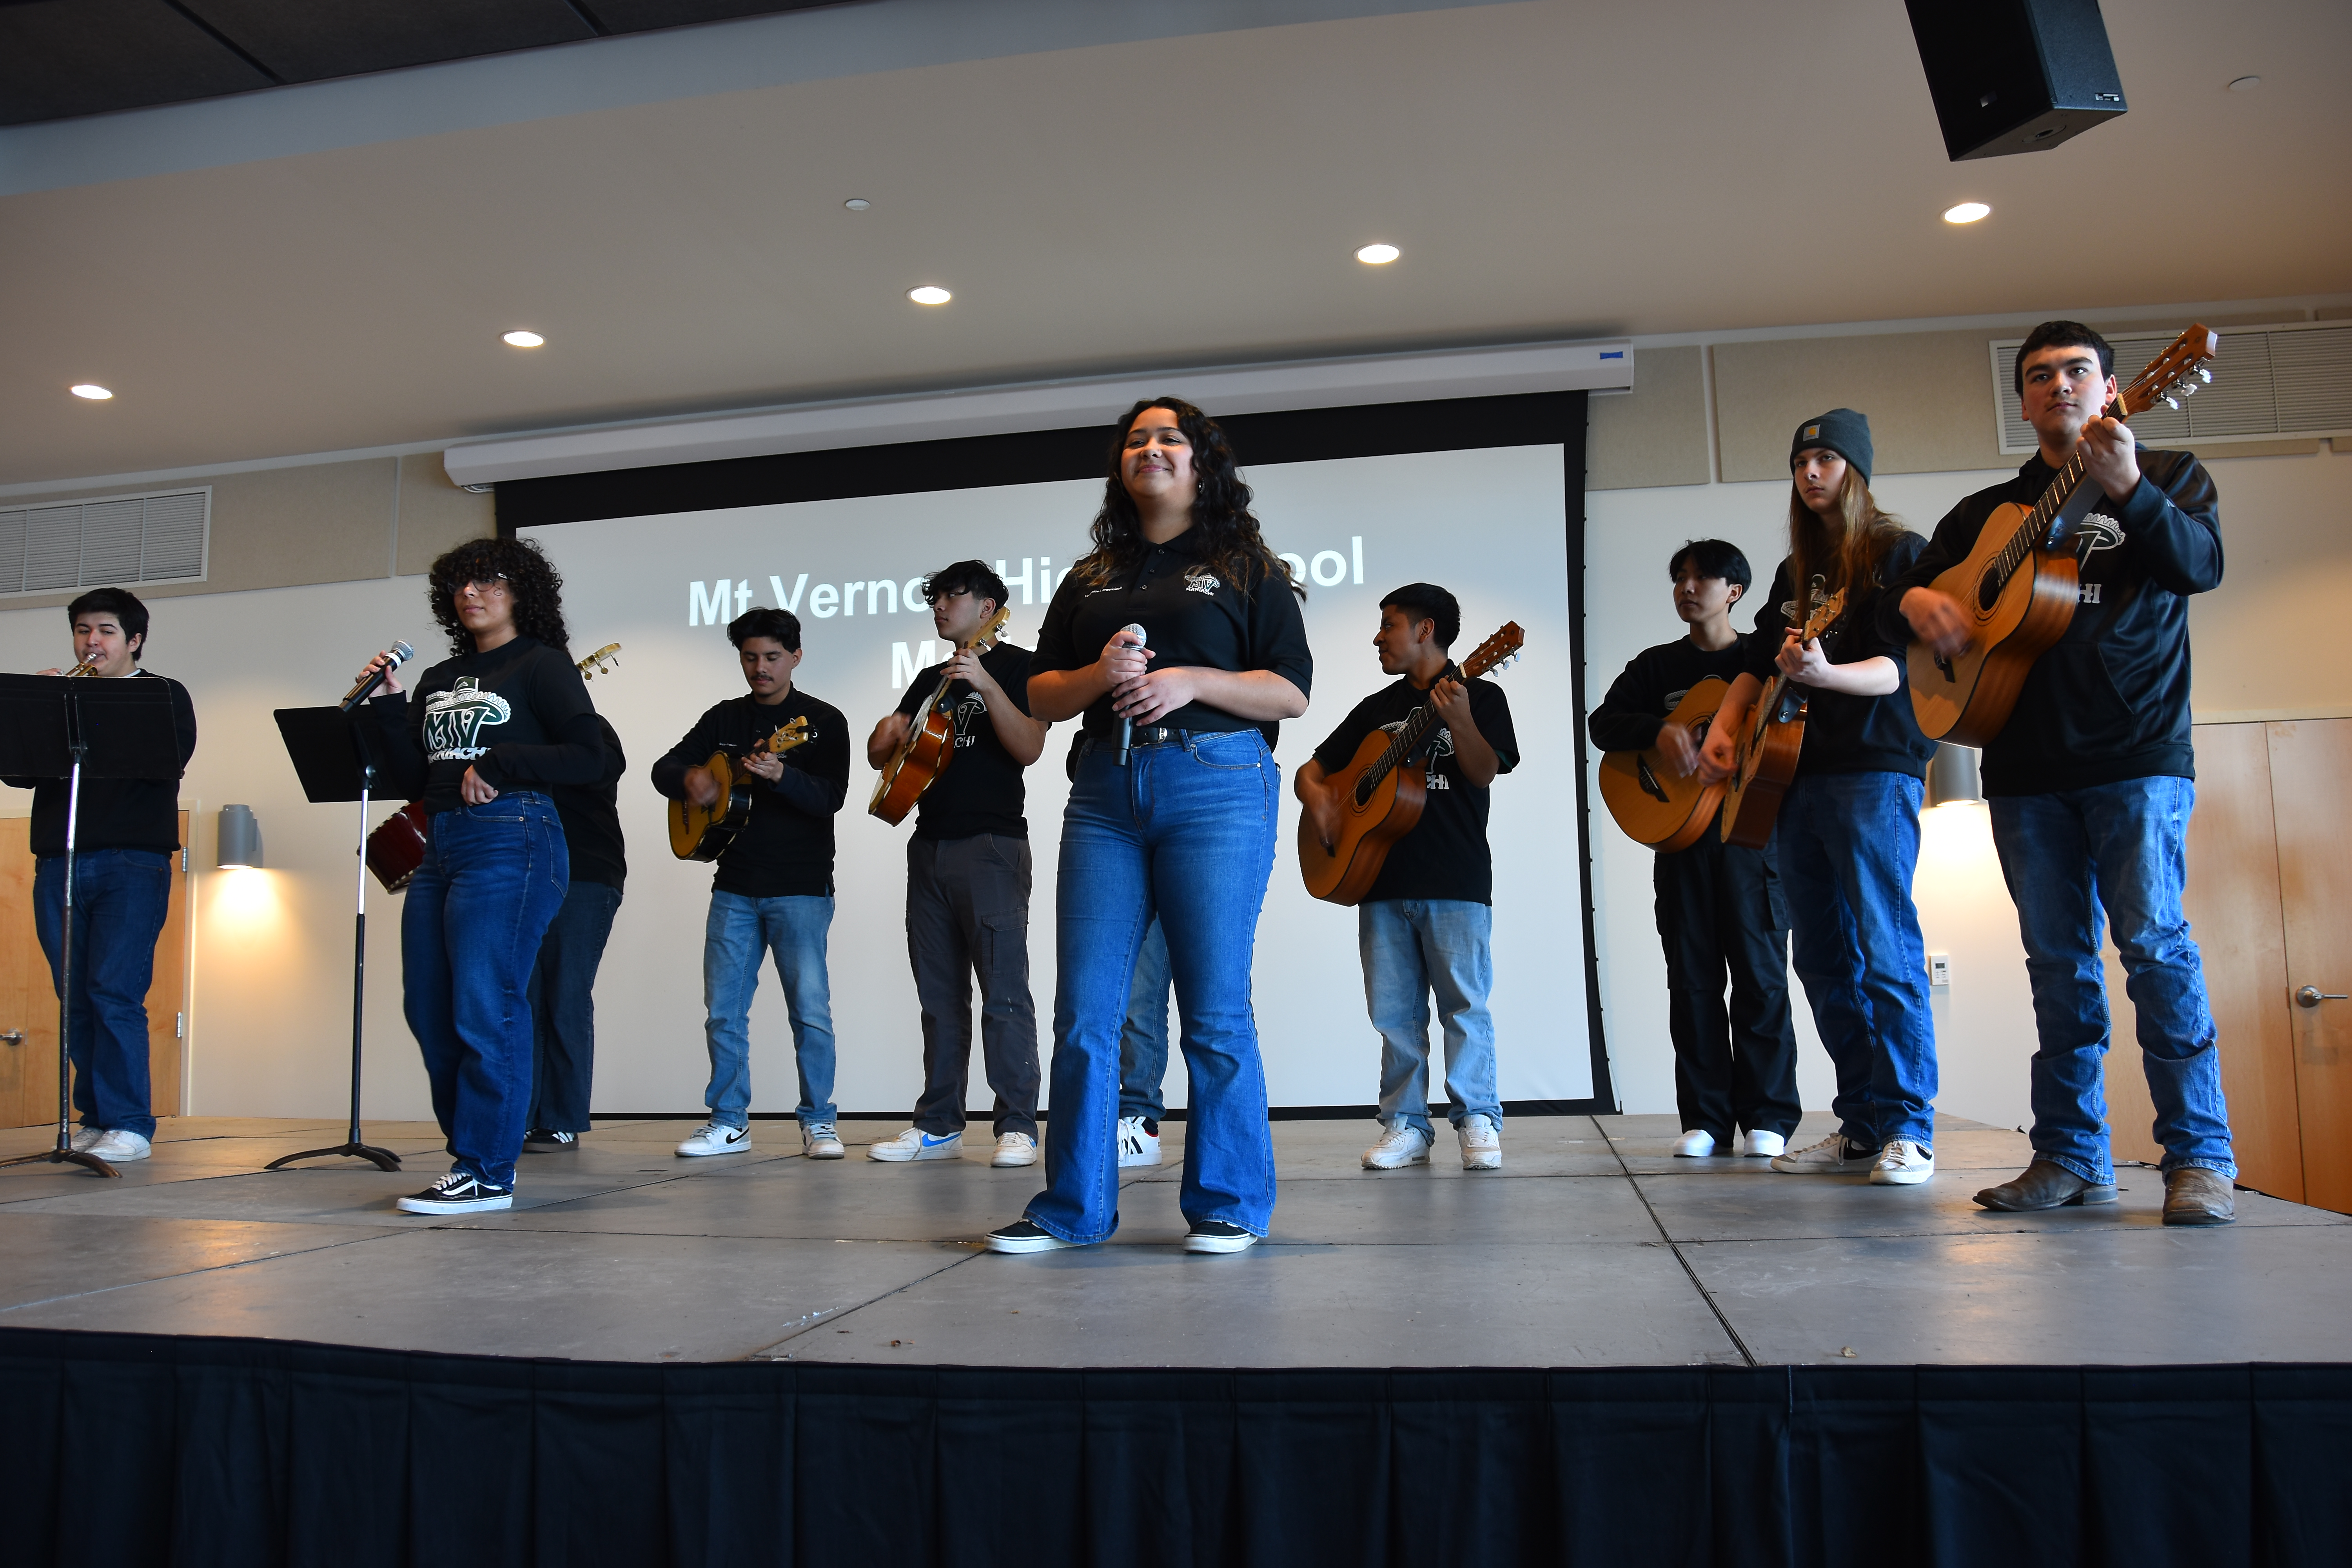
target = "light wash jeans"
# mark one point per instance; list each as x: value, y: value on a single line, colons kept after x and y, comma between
x: 739, y: 932
x: 1143, y: 1039
x: 1849, y: 842
x: 1412, y: 947
x: 1186, y: 830
x: 2065, y: 856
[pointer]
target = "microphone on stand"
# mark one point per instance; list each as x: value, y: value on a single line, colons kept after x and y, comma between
x: 1127, y: 726
x: 400, y: 653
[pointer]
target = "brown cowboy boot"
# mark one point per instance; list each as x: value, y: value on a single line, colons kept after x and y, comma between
x: 2195, y: 1195
x: 2046, y: 1185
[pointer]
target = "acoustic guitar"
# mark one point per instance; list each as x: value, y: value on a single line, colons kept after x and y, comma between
x: 704, y: 832
x: 2018, y: 587
x: 1381, y: 799
x: 1768, y: 749
x: 396, y: 849
x: 1656, y: 805
x: 929, y: 746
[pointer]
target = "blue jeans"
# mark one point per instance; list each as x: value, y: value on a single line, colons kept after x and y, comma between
x: 2065, y: 855
x: 1186, y: 831
x: 563, y: 1006
x: 492, y: 879
x: 120, y: 896
x: 1849, y: 842
x: 740, y: 930
x: 1412, y: 947
x: 1143, y: 1039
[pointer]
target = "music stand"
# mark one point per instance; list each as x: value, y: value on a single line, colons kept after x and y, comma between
x: 55, y: 726
x: 335, y: 759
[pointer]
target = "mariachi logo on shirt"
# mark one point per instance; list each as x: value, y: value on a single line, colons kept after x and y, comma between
x: 2094, y: 534
x: 455, y: 719
x: 1200, y: 580
x: 969, y: 715
x: 1442, y: 746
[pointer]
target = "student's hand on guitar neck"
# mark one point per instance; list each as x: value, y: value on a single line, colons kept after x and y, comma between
x: 1938, y: 620
x: 1805, y: 662
x: 701, y: 789
x: 764, y: 765
x: 2110, y: 458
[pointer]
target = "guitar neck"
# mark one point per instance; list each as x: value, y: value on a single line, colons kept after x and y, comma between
x: 2043, y: 525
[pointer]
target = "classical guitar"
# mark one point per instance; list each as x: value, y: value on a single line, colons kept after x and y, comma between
x: 704, y: 832
x: 1379, y: 798
x: 396, y: 849
x: 929, y: 746
x: 1768, y: 745
x: 1656, y: 805
x: 2018, y: 587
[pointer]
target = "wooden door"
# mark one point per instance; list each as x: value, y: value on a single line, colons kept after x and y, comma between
x: 2310, y: 761
x: 28, y: 1003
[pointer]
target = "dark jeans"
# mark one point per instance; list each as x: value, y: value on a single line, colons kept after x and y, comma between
x: 1143, y: 1039
x: 1720, y: 910
x: 563, y: 1006
x: 967, y: 918
x: 492, y: 879
x: 120, y: 896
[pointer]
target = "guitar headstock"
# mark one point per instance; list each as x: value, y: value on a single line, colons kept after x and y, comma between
x: 603, y: 661
x: 1501, y: 649
x: 1824, y: 616
x: 794, y: 733
x: 2179, y: 370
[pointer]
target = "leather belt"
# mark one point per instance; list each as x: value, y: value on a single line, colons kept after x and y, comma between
x: 1145, y: 735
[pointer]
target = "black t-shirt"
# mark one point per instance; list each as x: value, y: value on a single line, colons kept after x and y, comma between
x: 117, y: 813
x: 591, y: 818
x: 785, y: 850
x: 518, y: 715
x: 1446, y: 855
x: 1843, y: 733
x: 1192, y: 616
x: 1653, y: 685
x: 980, y: 790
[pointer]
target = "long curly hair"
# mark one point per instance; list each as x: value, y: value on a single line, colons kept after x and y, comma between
x: 1227, y: 531
x: 537, y: 586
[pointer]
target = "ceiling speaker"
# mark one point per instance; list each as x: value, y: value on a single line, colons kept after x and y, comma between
x: 2015, y: 76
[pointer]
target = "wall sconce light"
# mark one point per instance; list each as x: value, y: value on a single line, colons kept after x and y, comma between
x: 1952, y: 777
x: 240, y: 846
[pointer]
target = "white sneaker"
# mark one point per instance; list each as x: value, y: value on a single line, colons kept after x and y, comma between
x: 915, y: 1143
x: 1014, y: 1148
x: 1481, y: 1142
x: 1903, y: 1163
x: 1696, y: 1145
x: 1763, y: 1145
x: 118, y: 1146
x: 83, y: 1137
x: 1402, y: 1144
x: 820, y: 1141
x: 1137, y: 1144
x: 1833, y: 1156
x: 715, y: 1138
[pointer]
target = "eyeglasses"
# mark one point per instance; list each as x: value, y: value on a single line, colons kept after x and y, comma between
x: 486, y: 586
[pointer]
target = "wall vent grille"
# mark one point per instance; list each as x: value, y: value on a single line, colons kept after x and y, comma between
x: 121, y: 541
x: 2289, y: 380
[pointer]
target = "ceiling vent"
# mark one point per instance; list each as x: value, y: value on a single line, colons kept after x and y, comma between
x: 2294, y: 379
x: 120, y: 542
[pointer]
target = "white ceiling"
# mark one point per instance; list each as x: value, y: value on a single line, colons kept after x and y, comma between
x: 1552, y: 169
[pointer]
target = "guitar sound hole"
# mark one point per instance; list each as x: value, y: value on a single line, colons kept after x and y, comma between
x: 1988, y: 591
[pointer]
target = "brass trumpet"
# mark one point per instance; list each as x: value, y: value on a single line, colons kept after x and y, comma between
x: 84, y: 667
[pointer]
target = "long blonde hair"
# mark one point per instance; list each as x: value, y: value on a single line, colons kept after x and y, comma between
x: 1848, y: 557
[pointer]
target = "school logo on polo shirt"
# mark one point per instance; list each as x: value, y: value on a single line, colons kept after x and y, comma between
x: 1200, y: 580
x: 454, y: 720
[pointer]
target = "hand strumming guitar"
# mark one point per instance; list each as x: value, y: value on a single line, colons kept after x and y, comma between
x: 701, y: 789
x: 1681, y: 753
x: 1938, y: 620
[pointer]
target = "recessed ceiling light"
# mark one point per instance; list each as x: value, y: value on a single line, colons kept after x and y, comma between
x: 523, y: 340
x: 92, y: 391
x: 2245, y: 84
x: 1967, y: 212
x: 857, y: 204
x: 1378, y: 255
x: 930, y: 294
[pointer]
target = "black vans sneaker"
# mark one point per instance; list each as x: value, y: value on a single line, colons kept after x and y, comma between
x: 459, y: 1191
x: 1216, y: 1236
x: 543, y: 1141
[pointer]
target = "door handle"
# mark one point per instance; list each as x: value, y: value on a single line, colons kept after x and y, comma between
x: 13, y: 1037
x: 2312, y: 997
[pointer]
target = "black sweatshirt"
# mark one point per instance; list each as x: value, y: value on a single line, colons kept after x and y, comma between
x: 117, y: 813
x: 591, y: 818
x: 518, y: 715
x: 981, y: 790
x: 1653, y: 685
x: 785, y: 850
x: 1844, y: 733
x: 2110, y: 701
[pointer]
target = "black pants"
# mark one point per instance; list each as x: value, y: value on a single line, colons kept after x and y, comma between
x: 967, y: 919
x: 1720, y: 908
x: 563, y: 1006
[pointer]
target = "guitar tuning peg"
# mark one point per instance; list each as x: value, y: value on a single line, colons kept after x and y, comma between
x: 2205, y: 376
x: 2172, y: 402
x: 2187, y: 389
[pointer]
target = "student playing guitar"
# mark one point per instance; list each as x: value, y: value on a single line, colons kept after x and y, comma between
x: 1427, y: 921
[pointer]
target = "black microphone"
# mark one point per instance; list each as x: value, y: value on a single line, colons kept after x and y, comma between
x: 1127, y: 726
x: 399, y: 654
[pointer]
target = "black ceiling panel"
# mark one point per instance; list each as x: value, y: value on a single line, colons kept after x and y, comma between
x: 64, y: 57
x: 646, y: 16
x: 307, y: 41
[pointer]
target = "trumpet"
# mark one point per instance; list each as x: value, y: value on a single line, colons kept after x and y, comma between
x: 84, y: 667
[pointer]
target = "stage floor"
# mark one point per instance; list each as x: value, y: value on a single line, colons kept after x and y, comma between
x: 1591, y: 1247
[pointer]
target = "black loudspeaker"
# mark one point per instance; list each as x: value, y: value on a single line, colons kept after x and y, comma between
x: 2015, y: 76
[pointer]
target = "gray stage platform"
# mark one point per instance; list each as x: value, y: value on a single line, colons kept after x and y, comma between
x: 1591, y: 1247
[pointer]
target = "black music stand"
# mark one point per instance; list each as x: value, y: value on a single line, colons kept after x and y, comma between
x: 55, y: 726
x: 335, y: 759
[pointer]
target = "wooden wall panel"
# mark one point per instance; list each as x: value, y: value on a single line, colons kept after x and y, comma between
x: 2309, y: 762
